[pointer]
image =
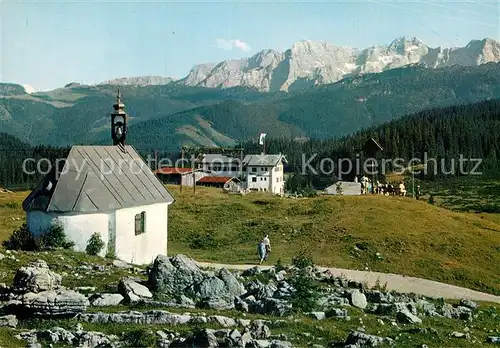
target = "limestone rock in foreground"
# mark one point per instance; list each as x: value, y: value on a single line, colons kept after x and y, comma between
x: 180, y: 302
x: 406, y: 317
x: 121, y: 264
x: 360, y: 339
x: 63, y: 337
x: 154, y: 317
x: 171, y: 276
x: 54, y: 303
x: 36, y: 277
x: 9, y: 321
x: 468, y: 304
x: 251, y: 337
x: 493, y: 339
x: 135, y: 317
x: 358, y: 299
x: 133, y: 291
x: 105, y: 299
x: 227, y: 338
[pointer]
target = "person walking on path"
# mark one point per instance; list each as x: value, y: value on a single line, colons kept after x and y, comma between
x: 261, y: 250
x: 267, y: 244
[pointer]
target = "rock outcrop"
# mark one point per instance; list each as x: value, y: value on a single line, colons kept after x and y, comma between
x: 36, y: 277
x: 171, y: 278
x: 133, y: 291
x: 54, y: 303
x: 37, y: 291
x: 179, y: 282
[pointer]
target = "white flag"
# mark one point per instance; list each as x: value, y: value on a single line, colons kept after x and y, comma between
x: 261, y: 139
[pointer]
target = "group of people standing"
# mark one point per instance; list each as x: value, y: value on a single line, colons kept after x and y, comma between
x: 386, y: 189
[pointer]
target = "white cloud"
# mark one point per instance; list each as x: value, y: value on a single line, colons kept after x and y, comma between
x: 230, y: 44
x: 29, y: 89
x: 241, y: 45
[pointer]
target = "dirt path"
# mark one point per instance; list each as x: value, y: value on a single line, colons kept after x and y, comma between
x: 396, y: 282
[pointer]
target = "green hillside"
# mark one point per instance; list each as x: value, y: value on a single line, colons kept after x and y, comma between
x: 333, y: 110
x: 387, y: 234
x: 10, y: 89
x: 171, y: 115
x: 444, y: 134
x: 80, y: 114
x: 411, y: 237
x: 472, y: 131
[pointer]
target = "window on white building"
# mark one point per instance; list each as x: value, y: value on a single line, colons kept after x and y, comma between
x: 140, y: 223
x: 254, y: 170
x: 254, y: 179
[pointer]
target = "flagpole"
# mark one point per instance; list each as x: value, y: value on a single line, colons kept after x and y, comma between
x: 262, y: 141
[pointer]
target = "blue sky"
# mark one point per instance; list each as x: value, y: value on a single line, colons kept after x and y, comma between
x: 49, y: 44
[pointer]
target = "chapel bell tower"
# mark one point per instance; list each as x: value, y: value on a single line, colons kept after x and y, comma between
x: 119, y: 122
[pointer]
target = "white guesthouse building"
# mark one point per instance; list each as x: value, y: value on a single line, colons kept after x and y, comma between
x: 265, y: 173
x: 109, y: 190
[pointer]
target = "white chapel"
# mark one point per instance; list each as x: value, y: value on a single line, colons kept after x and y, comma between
x: 109, y: 190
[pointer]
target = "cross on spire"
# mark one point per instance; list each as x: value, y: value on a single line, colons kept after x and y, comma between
x: 119, y: 122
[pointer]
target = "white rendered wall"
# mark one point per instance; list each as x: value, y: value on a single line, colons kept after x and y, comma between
x: 270, y: 184
x: 259, y: 174
x: 144, y: 248
x: 78, y: 228
x: 278, y: 183
x: 187, y: 180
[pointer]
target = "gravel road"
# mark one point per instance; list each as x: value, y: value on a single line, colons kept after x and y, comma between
x: 396, y: 282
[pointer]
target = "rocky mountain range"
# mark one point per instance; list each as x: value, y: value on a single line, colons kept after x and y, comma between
x: 171, y: 115
x: 311, y: 63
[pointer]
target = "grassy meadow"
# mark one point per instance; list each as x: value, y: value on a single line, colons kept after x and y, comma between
x: 378, y: 233
x: 411, y: 237
x: 469, y: 194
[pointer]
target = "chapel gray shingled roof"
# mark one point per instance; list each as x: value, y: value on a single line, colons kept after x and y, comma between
x: 99, y: 179
x: 263, y: 160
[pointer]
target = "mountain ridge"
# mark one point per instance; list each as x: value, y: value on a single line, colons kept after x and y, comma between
x: 309, y: 63
x: 168, y: 116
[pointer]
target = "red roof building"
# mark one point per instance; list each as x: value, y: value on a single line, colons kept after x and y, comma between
x: 216, y: 181
x: 173, y: 170
x: 179, y: 176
